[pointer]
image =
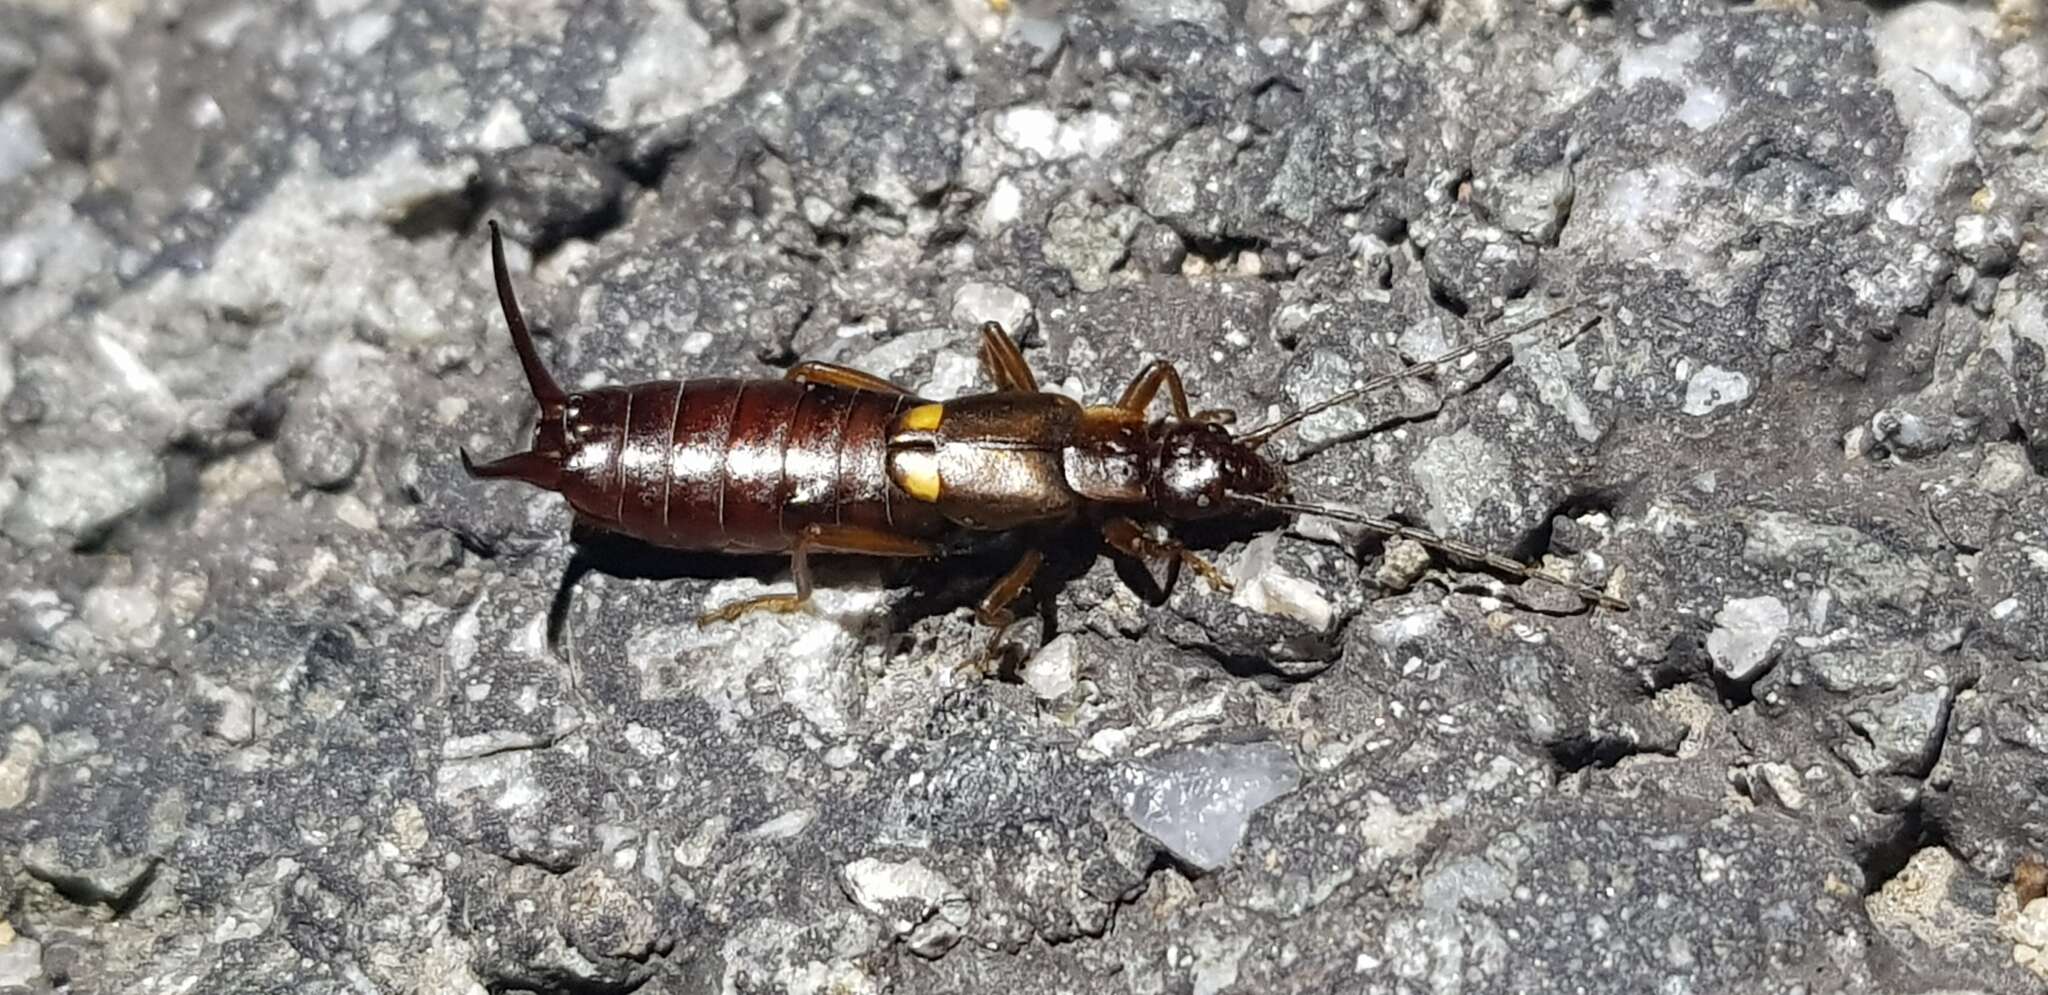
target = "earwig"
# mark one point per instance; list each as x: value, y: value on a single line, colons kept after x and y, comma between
x: 831, y: 459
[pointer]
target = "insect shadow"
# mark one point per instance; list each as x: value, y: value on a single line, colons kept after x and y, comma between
x: 626, y: 558
x: 931, y: 587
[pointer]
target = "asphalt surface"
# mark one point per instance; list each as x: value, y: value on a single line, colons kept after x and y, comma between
x: 289, y: 703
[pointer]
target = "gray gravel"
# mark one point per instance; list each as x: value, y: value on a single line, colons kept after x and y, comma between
x: 288, y: 703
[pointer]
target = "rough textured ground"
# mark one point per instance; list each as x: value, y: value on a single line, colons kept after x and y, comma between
x: 278, y: 707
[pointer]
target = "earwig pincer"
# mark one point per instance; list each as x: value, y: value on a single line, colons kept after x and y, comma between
x: 831, y: 459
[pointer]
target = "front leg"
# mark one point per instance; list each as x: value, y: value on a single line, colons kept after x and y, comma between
x: 1124, y: 536
x: 1159, y: 373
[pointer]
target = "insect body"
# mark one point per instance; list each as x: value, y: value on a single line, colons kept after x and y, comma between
x: 835, y: 460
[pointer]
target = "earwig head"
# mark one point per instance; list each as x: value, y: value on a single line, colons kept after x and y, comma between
x: 1203, y: 472
x: 541, y: 465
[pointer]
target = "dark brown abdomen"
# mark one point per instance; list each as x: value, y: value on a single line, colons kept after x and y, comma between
x: 736, y: 465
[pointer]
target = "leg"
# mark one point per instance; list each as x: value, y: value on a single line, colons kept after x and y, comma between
x: 994, y: 610
x: 1138, y: 396
x: 1004, y: 362
x: 841, y: 376
x: 1125, y: 537
x: 818, y: 539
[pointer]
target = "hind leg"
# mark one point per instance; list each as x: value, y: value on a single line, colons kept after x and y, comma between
x: 1161, y: 373
x: 818, y: 539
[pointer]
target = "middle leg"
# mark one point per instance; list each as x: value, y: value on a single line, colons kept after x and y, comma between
x: 1004, y: 361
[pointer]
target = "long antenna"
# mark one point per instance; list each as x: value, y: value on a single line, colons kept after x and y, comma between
x: 1463, y: 550
x: 1260, y: 436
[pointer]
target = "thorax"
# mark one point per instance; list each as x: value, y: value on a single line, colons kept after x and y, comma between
x: 1000, y: 461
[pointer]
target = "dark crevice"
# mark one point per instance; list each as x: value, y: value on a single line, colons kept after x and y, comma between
x: 563, y: 984
x: 1941, y: 728
x: 1911, y: 832
x: 452, y: 212
x: 1275, y: 83
x: 1598, y: 752
x: 1685, y: 660
x: 552, y: 868
x: 637, y: 160
x: 830, y: 241
x: 1166, y: 861
x: 1255, y: 668
x: 1584, y: 607
x: 869, y: 204
x: 941, y: 240
x: 1221, y: 246
x: 587, y: 227
x: 1542, y: 538
x: 1604, y: 500
x: 546, y: 229
x: 645, y: 161
x: 81, y: 890
x: 642, y: 157
x: 1393, y: 230
x: 547, y: 741
x: 1915, y: 827
x: 126, y: 902
x: 1443, y: 299
x: 802, y: 255
x: 1734, y: 694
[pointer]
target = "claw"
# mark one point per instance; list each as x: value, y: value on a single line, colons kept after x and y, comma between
x: 1217, y: 582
